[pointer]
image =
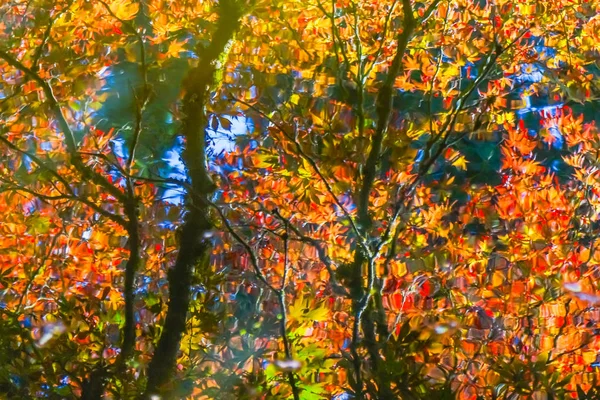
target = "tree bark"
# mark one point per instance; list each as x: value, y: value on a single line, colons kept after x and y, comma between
x: 194, y: 248
x: 361, y: 295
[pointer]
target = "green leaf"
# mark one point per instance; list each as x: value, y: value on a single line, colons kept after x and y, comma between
x: 39, y: 225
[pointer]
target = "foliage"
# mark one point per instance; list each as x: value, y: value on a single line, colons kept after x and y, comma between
x: 410, y: 210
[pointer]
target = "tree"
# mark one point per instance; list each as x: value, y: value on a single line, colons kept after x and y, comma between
x: 401, y: 219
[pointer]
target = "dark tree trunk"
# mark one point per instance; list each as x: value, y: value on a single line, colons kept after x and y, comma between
x: 194, y: 248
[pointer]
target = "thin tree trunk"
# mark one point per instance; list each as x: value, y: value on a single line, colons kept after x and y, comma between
x: 361, y: 295
x: 194, y: 248
x: 133, y: 264
x: 93, y: 387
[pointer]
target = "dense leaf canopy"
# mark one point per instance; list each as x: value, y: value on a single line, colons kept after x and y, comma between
x: 235, y: 199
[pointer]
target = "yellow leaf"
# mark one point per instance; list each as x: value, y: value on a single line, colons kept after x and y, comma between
x: 175, y: 48
x: 497, y: 279
x: 317, y: 314
x: 398, y: 269
x: 436, y: 348
x: 317, y: 121
x: 303, y: 313
x: 589, y: 357
x: 124, y: 9
x: 460, y: 163
x: 264, y: 160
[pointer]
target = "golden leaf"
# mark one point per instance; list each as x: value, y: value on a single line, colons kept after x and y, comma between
x: 124, y: 9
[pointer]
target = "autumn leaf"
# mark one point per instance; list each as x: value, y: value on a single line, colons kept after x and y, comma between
x: 264, y: 160
x: 299, y: 312
x: 39, y: 225
x: 175, y: 48
x: 460, y: 163
x: 124, y: 9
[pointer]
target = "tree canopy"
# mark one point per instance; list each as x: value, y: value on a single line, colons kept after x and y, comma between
x: 346, y: 199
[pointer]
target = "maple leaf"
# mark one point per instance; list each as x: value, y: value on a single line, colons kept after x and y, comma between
x: 304, y: 314
x: 460, y: 163
x: 175, y: 48
x: 124, y: 9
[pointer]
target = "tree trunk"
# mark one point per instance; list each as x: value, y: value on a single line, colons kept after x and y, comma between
x: 193, y: 245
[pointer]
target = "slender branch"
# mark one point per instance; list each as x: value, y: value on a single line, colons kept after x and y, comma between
x: 283, y: 321
x: 40, y: 49
x: 448, y: 127
x: 285, y: 258
x: 131, y: 205
x: 321, y: 252
x: 35, y: 273
x: 71, y: 194
x: 285, y: 20
x: 338, y: 43
x: 38, y: 161
x: 279, y: 293
x: 384, y: 112
x: 253, y: 259
x: 384, y: 33
x: 434, y: 77
x: 109, y: 162
x: 429, y: 11
x: 299, y: 151
x: 142, y: 101
x: 570, y: 351
x: 65, y: 128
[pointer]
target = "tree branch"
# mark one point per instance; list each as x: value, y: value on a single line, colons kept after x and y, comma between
x: 65, y: 128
